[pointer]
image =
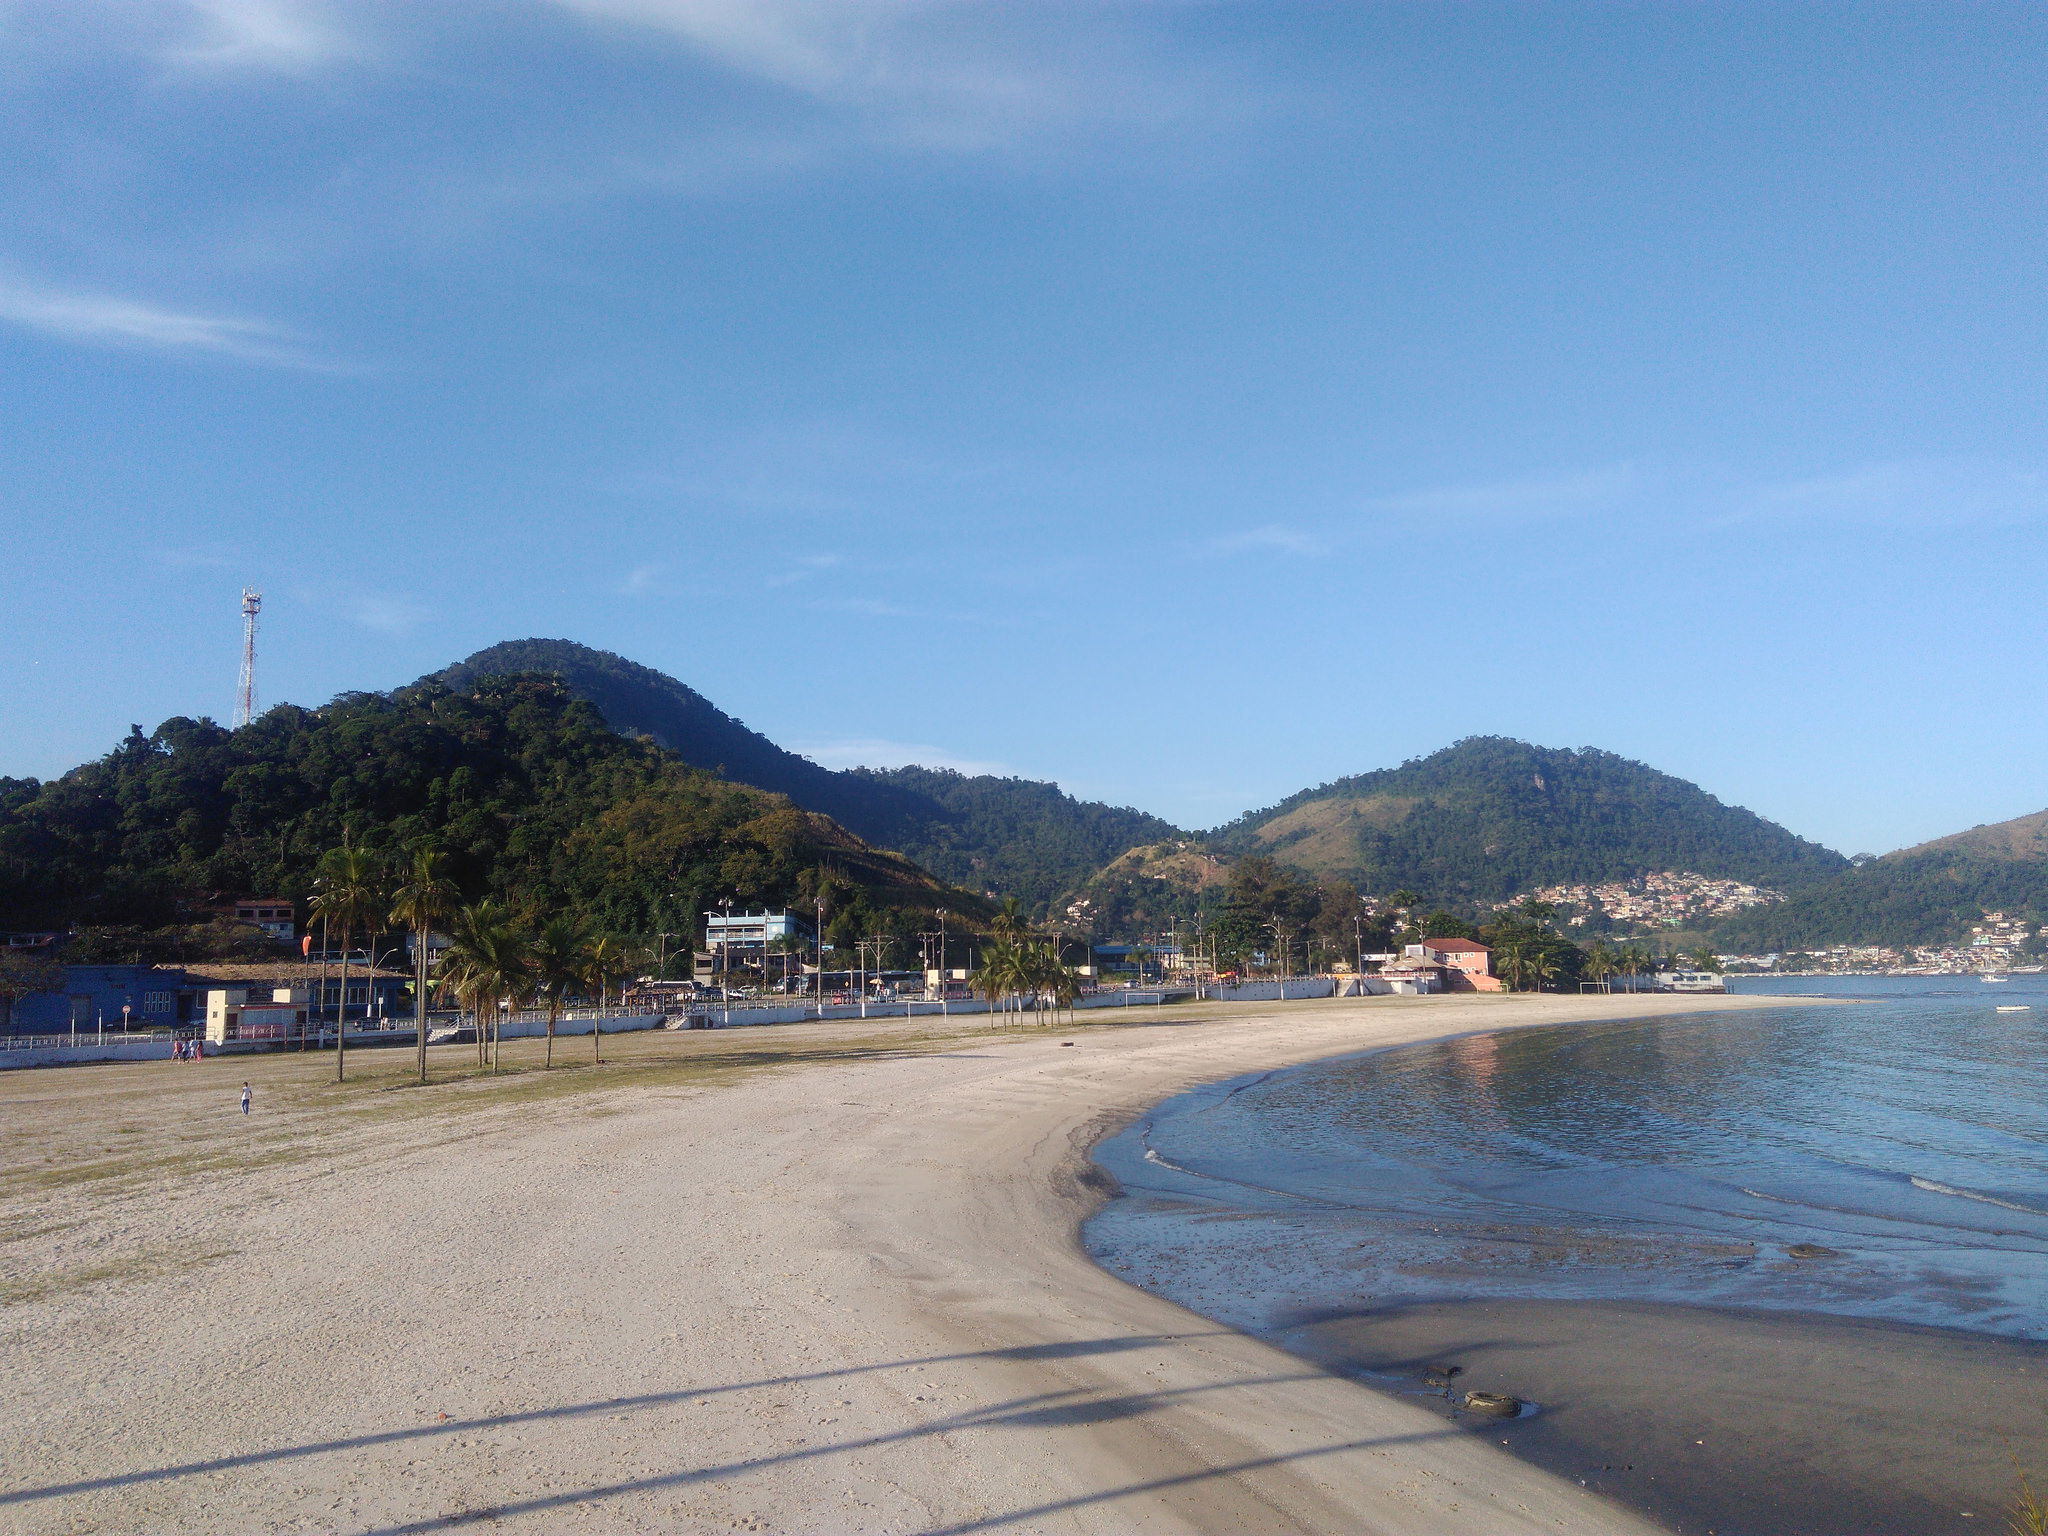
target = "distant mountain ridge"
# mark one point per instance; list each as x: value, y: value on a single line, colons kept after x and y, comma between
x: 1924, y: 895
x: 1482, y: 820
x: 1490, y: 817
x: 1012, y: 836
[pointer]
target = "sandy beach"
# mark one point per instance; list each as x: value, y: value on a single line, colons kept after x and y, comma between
x: 809, y: 1278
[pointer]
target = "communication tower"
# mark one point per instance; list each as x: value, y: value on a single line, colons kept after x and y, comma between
x: 245, y: 699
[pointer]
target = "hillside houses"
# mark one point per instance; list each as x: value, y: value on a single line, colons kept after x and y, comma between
x: 1664, y: 899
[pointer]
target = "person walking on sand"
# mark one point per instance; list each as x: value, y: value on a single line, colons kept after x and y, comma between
x: 245, y: 1098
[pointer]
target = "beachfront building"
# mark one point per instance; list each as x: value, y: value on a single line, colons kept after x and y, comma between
x: 102, y: 997
x: 1412, y: 973
x: 375, y: 995
x: 744, y: 938
x: 1466, y: 963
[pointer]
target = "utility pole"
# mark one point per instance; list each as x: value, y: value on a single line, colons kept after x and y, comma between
x: 879, y: 941
x: 245, y: 695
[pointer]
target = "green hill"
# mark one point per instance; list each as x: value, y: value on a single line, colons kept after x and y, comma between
x: 538, y: 802
x: 1018, y: 837
x: 1489, y: 817
x: 1010, y: 836
x: 1928, y: 894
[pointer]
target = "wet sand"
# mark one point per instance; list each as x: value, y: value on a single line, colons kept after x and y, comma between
x: 1738, y: 1423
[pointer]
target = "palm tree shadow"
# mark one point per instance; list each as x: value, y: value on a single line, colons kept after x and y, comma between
x: 1060, y: 1351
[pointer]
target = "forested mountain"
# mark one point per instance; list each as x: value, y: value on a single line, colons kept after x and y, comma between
x: 1489, y: 817
x: 1014, y: 837
x: 536, y: 800
x: 1928, y: 894
x: 1149, y: 889
x: 640, y: 701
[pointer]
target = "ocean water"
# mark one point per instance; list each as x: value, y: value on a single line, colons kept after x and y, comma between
x: 1887, y: 1161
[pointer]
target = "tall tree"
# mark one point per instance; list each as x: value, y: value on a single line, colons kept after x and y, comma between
x: 490, y: 961
x: 351, y: 898
x: 608, y: 962
x: 427, y: 897
x: 560, y: 959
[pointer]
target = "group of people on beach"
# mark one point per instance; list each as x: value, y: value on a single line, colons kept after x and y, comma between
x: 188, y: 1050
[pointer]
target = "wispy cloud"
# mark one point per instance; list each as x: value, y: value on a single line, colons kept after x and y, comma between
x: 388, y: 613
x: 873, y: 752
x: 1557, y: 496
x: 802, y: 568
x: 1274, y: 537
x: 106, y: 320
x: 1908, y: 491
x: 188, y: 559
x: 940, y: 74
x: 642, y: 580
x: 871, y: 607
x: 284, y: 36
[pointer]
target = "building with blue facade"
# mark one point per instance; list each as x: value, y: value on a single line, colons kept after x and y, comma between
x: 148, y: 997
x: 99, y: 997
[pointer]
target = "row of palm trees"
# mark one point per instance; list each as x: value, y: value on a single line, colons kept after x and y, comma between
x: 1633, y: 961
x: 1016, y: 969
x: 493, y: 961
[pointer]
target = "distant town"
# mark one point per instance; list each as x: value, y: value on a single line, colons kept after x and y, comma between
x: 1665, y: 899
x: 1999, y: 944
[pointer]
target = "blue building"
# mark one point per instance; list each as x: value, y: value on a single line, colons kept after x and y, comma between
x: 95, y: 996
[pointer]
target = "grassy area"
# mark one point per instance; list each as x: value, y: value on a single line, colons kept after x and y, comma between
x: 83, y: 1147
x: 112, y: 1126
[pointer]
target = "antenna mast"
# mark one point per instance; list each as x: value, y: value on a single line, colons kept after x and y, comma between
x: 245, y: 699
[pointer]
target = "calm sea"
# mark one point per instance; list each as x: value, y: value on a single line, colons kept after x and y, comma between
x: 1887, y: 1160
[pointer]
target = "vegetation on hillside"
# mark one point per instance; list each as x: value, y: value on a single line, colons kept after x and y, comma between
x: 1009, y: 836
x: 1488, y: 817
x: 1919, y: 896
x: 1148, y: 889
x: 531, y: 798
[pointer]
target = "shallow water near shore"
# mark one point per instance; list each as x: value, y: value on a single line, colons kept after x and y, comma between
x: 1850, y: 1202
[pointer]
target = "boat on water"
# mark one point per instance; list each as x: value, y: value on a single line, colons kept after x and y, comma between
x: 2015, y: 1007
x: 1690, y: 981
x: 1994, y: 978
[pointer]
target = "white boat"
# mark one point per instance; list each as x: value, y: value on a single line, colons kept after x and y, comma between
x: 1994, y: 978
x: 1690, y: 981
x: 2015, y: 1007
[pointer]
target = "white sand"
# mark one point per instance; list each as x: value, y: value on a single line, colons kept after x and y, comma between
x: 845, y: 1296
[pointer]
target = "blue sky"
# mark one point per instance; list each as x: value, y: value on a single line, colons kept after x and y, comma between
x: 1188, y: 402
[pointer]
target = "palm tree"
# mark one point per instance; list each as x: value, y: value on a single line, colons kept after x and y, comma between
x: 489, y: 962
x: 426, y: 898
x: 1512, y: 956
x: 1010, y: 921
x: 560, y: 961
x: 349, y: 897
x: 1540, y: 966
x: 1600, y: 965
x: 1000, y: 972
x: 607, y: 962
x: 1707, y: 958
x: 1052, y: 978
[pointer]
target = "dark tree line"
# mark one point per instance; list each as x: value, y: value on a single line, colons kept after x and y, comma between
x: 531, y: 798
